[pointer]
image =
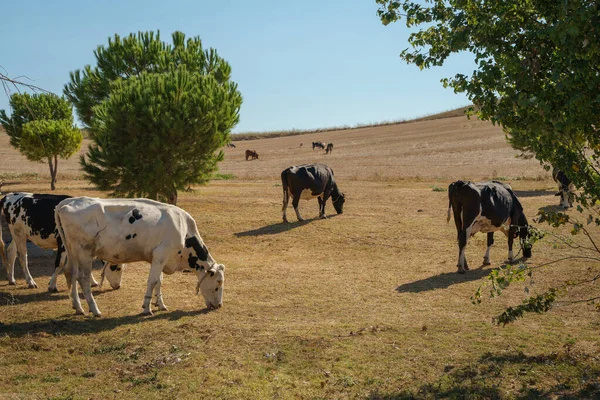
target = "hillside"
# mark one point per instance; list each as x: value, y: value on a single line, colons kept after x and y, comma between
x: 441, y: 149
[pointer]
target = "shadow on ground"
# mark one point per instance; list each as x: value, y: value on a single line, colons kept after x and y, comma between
x: 71, y: 324
x: 447, y: 279
x: 552, y: 209
x: 534, y: 193
x: 23, y: 295
x: 512, y: 375
x: 274, y: 229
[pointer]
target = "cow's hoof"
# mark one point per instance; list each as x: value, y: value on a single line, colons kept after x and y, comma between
x: 147, y: 312
x: 461, y: 271
x: 79, y: 312
x: 94, y: 284
x: 32, y: 285
x: 163, y: 308
x: 13, y: 283
x: 323, y: 216
x: 285, y: 221
x: 486, y: 262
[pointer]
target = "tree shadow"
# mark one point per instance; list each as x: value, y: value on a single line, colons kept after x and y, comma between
x: 484, y: 379
x: 534, y: 193
x: 71, y: 324
x: 447, y: 279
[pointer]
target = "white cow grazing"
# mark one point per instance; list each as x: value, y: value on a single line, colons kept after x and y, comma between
x: 130, y: 230
x: 30, y: 217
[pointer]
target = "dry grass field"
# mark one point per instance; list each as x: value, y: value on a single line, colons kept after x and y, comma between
x: 366, y: 304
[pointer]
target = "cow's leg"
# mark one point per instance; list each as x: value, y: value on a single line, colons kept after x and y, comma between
x: 490, y: 242
x: 564, y: 199
x: 72, y: 271
x: 93, y: 281
x: 286, y: 199
x: 10, y: 265
x: 469, y: 215
x: 61, y: 259
x: 153, y: 279
x: 462, y: 258
x: 295, y: 203
x: 511, y: 238
x: 22, y: 248
x: 321, y: 208
x: 84, y: 278
x: 158, y: 294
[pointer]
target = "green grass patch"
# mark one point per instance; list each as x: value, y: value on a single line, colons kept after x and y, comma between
x: 222, y: 177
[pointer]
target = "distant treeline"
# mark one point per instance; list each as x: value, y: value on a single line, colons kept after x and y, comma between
x: 293, y: 132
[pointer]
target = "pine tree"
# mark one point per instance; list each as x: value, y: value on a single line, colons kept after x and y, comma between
x: 157, y: 112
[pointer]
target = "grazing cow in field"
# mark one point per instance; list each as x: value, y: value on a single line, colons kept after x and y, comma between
x: 320, y: 145
x: 251, y: 154
x: 307, y: 182
x: 231, y: 145
x: 486, y: 207
x: 130, y: 230
x: 329, y: 148
x: 565, y: 188
x: 31, y: 217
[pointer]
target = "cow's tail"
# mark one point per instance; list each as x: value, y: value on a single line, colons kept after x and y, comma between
x: 450, y: 190
x: 2, y: 248
x: 284, y: 185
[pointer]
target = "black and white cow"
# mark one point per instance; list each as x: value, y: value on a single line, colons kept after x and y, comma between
x: 565, y: 188
x: 31, y: 217
x: 319, y: 145
x: 329, y: 148
x: 486, y: 207
x: 307, y: 182
x: 130, y: 230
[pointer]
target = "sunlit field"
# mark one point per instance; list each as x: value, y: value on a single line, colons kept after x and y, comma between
x: 366, y: 304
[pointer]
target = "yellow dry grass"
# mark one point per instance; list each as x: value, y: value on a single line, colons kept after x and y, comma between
x: 366, y: 304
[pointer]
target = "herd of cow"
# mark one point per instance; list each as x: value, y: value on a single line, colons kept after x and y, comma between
x: 120, y: 231
x: 253, y: 155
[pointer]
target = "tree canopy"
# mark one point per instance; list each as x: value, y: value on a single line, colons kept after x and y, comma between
x: 129, y: 56
x: 158, y: 114
x: 41, y: 128
x: 536, y: 74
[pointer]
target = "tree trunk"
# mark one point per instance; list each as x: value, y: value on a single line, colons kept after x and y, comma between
x: 52, y: 185
x: 173, y: 198
x: 55, y: 168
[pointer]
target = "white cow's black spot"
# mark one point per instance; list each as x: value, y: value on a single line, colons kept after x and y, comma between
x: 135, y: 215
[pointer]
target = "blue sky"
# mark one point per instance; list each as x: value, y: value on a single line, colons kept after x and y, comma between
x: 299, y: 65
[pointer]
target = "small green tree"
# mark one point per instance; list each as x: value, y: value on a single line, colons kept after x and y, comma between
x: 537, y: 74
x: 41, y: 128
x: 157, y: 114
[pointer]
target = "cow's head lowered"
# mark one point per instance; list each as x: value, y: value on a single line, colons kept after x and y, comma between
x: 338, y: 199
x: 526, y: 234
x: 113, y: 274
x: 211, y: 276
